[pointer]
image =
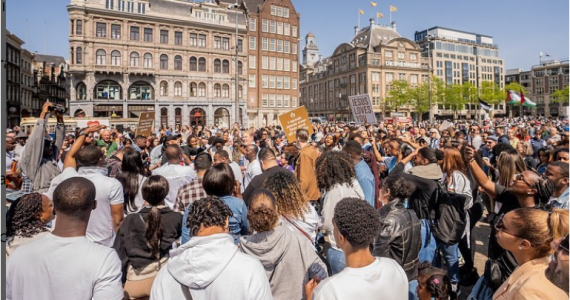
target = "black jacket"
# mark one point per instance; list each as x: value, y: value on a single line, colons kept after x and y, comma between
x: 399, y: 237
x: 130, y: 242
x: 423, y: 198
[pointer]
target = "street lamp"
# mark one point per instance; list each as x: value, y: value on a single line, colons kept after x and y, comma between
x: 429, y: 38
x: 237, y: 118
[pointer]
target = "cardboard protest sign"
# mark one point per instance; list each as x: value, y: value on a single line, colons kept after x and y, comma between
x: 293, y: 120
x: 362, y: 110
x: 146, y: 122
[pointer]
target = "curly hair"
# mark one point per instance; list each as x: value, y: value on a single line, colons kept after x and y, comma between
x: 438, y: 284
x: 23, y: 220
x: 332, y: 168
x: 400, y: 187
x: 287, y: 193
x: 357, y: 221
x: 207, y: 212
x: 262, y: 218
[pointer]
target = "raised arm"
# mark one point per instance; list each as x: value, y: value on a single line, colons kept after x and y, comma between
x: 59, y: 132
x: 34, y: 150
x: 478, y: 174
x: 70, y: 157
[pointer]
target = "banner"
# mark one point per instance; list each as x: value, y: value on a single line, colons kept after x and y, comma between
x: 362, y: 110
x: 145, y: 125
x: 84, y: 123
x: 293, y: 120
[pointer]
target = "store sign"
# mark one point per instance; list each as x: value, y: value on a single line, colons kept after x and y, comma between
x: 293, y: 120
x: 362, y: 110
x: 145, y: 125
x: 402, y: 64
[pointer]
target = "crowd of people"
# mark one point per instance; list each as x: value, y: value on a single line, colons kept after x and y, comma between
x: 371, y: 211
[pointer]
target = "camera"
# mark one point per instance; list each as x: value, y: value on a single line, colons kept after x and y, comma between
x: 58, y: 108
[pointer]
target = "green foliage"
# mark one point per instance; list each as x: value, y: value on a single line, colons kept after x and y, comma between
x: 420, y: 98
x: 399, y: 95
x: 561, y: 96
x: 515, y: 86
x: 491, y: 93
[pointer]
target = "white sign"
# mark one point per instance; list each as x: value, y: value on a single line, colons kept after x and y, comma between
x: 390, y: 63
x: 362, y: 110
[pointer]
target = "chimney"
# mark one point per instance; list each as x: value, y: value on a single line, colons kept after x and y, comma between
x: 356, y: 30
x: 394, y: 25
x: 372, y: 22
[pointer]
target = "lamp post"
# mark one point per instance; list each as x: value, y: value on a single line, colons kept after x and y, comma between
x: 237, y: 118
x: 429, y: 38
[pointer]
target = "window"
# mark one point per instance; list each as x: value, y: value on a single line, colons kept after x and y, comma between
x: 272, y: 63
x: 286, y: 82
x: 251, y: 80
x: 164, y: 36
x: 294, y: 29
x: 286, y: 100
x: 375, y: 76
x: 217, y: 90
x: 539, y: 90
x: 148, y: 35
x: 280, y: 46
x: 141, y: 8
x: 226, y: 66
x: 279, y: 11
x: 252, y: 24
x: 178, y: 38
x: 178, y: 62
x: 264, y: 25
x: 552, y: 89
x: 553, y: 80
x: 134, y: 33
x: 294, y: 102
x: 279, y: 100
x: 252, y: 42
x: 193, y: 40
x: 264, y: 81
x: 79, y: 27
x: 177, y: 89
x: 202, y: 40
x: 272, y: 45
x: 271, y: 81
x: 252, y: 61
x: 101, y: 30
x: 279, y: 82
x: 294, y: 48
x: 100, y: 57
x: 413, y: 56
x: 287, y: 47
x: 279, y: 64
x: 164, y: 62
x: 280, y: 28
x: 240, y: 67
x: 287, y: 65
x: 287, y: 29
x: 108, y: 90
x: 225, y: 91
x: 265, y: 62
x: 294, y: 83
x: 414, y: 79
x: 264, y: 44
x: 217, y: 66
x: 389, y: 54
x: 272, y: 100
x: 202, y: 90
x: 217, y: 42
x: 193, y: 89
x: 163, y: 89
x: 285, y: 13
x: 272, y: 26
x: 226, y: 43
x: 147, y: 60
x: 78, y: 55
x: 401, y: 55
x: 389, y: 77
x: 294, y: 66
x: 134, y: 62
x: 264, y: 100
x: 273, y: 10
x: 81, y: 92
x: 401, y: 76
x: 193, y: 64
x: 202, y: 64
x: 240, y: 45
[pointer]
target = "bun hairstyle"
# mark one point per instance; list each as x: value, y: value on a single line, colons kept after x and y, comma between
x: 436, y: 282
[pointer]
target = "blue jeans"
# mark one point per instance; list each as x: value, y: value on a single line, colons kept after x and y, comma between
x: 336, y: 260
x: 451, y: 256
x: 427, y: 252
x: 413, y: 290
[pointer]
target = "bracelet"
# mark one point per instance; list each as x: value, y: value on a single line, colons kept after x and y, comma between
x: 472, y: 160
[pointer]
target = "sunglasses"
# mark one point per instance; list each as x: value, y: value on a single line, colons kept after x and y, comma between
x: 500, y: 226
x: 520, y: 177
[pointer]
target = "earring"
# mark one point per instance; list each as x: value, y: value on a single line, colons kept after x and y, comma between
x: 520, y: 247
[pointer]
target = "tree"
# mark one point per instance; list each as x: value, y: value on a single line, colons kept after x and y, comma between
x: 454, y: 98
x: 437, y: 90
x: 420, y: 98
x: 560, y: 96
x: 399, y: 94
x: 491, y: 93
x: 469, y: 92
x: 515, y: 86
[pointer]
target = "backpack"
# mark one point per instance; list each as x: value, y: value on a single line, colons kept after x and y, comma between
x: 448, y: 216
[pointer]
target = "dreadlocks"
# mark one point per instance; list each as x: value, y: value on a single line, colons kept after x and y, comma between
x: 23, y: 218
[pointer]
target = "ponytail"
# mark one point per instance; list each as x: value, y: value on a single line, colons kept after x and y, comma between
x: 558, y: 223
x: 540, y: 227
x: 153, y: 232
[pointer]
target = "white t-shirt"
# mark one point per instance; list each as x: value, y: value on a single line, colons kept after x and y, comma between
x: 177, y: 176
x: 109, y: 191
x: 53, y: 267
x: 237, y: 174
x: 383, y: 279
x: 253, y: 169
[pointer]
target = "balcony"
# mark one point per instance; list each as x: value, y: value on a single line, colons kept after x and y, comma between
x: 106, y: 69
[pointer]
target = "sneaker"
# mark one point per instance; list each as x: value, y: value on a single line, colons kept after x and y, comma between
x: 455, y: 291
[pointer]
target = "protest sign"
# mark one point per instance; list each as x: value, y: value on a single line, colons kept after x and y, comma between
x: 293, y: 120
x: 362, y: 110
x: 145, y: 125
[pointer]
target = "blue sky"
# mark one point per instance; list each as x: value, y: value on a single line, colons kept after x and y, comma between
x: 521, y: 28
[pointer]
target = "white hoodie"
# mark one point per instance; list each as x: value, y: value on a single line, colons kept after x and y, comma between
x: 211, y: 267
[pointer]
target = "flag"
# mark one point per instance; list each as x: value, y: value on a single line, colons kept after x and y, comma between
x: 393, y: 8
x: 379, y: 15
x: 373, y: 4
x: 522, y: 97
x: 360, y: 12
x: 484, y: 105
x: 513, y: 97
x: 526, y: 102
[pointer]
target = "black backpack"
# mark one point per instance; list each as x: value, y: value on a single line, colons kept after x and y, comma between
x: 448, y: 216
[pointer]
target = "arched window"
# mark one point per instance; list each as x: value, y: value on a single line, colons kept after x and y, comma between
x: 217, y: 66
x: 193, y: 64
x: 115, y: 58
x: 81, y: 93
x: 147, y: 63
x: 240, y: 67
x: 100, y: 57
x: 226, y: 66
x: 217, y: 90
x: 202, y: 65
x: 178, y: 117
x: 141, y: 91
x: 108, y: 90
x: 178, y: 62
x: 78, y: 55
x: 163, y: 89
x: 193, y: 89
x: 164, y: 62
x: 202, y: 90
x: 225, y: 91
x: 164, y: 116
x: 240, y: 91
x: 177, y: 89
x: 134, y: 59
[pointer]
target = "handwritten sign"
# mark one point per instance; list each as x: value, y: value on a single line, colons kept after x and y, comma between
x: 362, y: 110
x: 146, y: 122
x: 293, y: 120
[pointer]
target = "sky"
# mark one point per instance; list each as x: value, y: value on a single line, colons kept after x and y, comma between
x: 521, y: 28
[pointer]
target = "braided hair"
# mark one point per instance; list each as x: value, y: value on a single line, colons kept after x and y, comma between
x: 544, y: 190
x: 23, y: 218
x: 437, y: 283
